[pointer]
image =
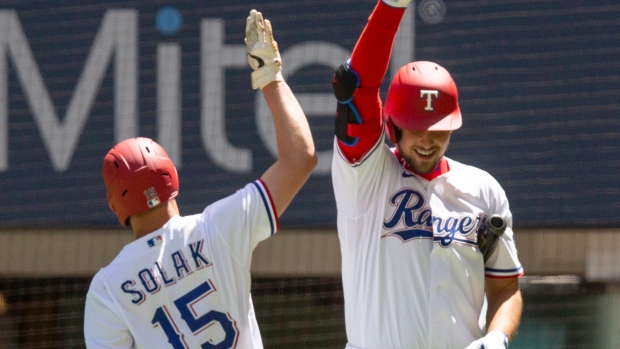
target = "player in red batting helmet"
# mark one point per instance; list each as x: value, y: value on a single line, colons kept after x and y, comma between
x: 406, y: 204
x: 138, y: 176
x: 177, y: 260
x: 422, y: 96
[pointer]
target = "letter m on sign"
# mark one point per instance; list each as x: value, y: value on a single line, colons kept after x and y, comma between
x: 117, y: 35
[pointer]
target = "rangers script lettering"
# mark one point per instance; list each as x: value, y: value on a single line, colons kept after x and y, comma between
x: 446, y: 229
x: 417, y: 221
x: 411, y: 211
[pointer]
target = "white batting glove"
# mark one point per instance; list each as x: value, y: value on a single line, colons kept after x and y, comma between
x: 263, y: 54
x: 397, y: 3
x: 493, y: 340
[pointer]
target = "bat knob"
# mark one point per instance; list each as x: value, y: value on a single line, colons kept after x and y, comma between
x: 497, y: 224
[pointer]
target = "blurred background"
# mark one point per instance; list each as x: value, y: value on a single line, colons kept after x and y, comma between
x: 539, y: 88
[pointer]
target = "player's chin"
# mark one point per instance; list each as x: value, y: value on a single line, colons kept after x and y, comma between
x: 425, y: 165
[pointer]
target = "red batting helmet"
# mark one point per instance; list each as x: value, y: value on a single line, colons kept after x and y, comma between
x: 138, y: 176
x: 422, y: 96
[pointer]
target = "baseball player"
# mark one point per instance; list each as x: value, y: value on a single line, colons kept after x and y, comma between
x: 408, y: 216
x: 185, y: 280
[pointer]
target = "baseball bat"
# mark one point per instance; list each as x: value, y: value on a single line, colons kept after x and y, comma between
x: 488, y: 233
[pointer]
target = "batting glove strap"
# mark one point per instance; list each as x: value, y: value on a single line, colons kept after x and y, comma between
x: 397, y: 3
x: 493, y: 340
x: 262, y: 77
x: 263, y: 53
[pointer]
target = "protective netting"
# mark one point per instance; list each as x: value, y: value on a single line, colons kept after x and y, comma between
x: 559, y: 313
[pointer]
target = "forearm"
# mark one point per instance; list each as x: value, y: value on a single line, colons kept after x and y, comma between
x: 504, y: 311
x: 371, y: 55
x: 294, y: 139
x: 296, y: 152
x: 369, y: 63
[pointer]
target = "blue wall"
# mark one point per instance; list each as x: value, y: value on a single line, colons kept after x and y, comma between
x: 538, y: 84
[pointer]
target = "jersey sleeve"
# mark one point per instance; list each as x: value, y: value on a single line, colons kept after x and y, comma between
x: 244, y: 219
x: 370, y: 61
x: 103, y: 328
x: 503, y: 261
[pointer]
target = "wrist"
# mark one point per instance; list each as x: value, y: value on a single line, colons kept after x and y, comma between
x: 498, y: 338
x: 263, y: 76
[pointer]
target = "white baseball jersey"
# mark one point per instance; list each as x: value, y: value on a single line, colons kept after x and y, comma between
x: 413, y: 276
x: 186, y: 285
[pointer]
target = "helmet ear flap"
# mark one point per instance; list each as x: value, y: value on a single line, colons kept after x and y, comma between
x: 392, y: 132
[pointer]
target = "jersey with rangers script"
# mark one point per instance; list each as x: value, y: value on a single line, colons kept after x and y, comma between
x: 413, y: 276
x: 186, y: 285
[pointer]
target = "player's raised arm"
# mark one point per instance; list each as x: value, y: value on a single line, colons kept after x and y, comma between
x: 356, y: 82
x: 296, y: 152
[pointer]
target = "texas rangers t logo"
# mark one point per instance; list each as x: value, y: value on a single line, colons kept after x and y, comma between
x: 429, y: 98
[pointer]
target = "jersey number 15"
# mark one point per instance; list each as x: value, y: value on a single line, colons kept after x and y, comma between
x: 195, y: 323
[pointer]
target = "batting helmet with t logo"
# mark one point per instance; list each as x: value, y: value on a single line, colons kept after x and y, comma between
x: 422, y: 96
